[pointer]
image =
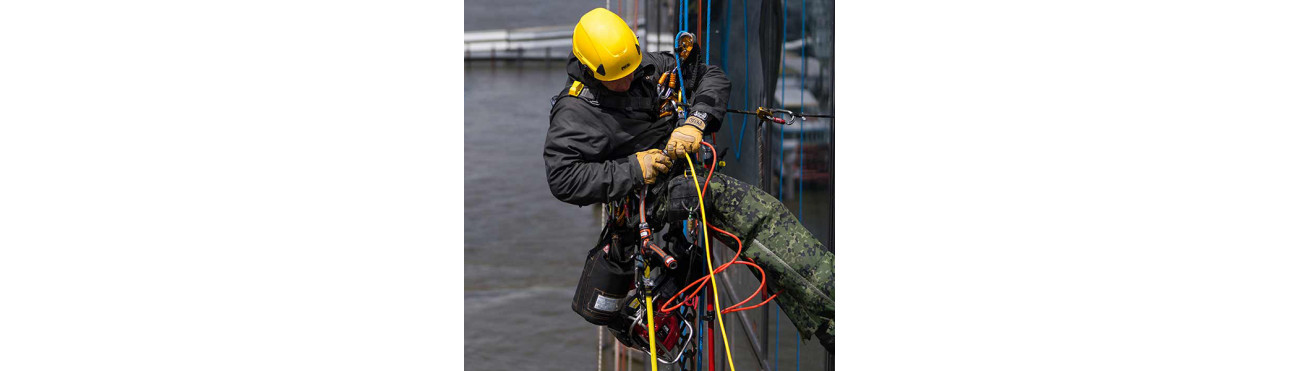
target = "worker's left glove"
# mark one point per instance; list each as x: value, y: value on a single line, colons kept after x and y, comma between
x: 652, y: 163
x: 685, y: 140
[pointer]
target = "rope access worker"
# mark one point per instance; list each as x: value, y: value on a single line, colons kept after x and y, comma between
x: 604, y: 144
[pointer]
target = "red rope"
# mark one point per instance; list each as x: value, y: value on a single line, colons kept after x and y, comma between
x: 740, y: 246
x: 711, y: 167
x: 709, y: 307
x: 700, y: 283
x: 699, y: 19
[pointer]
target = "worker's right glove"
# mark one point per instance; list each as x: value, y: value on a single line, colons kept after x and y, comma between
x: 653, y: 162
x: 685, y: 140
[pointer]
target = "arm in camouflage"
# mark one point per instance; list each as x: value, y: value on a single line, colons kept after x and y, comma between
x: 794, y: 260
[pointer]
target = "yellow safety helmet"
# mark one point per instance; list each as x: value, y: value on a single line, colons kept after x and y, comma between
x: 605, y: 44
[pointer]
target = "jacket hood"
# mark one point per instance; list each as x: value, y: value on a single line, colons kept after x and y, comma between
x: 577, y: 72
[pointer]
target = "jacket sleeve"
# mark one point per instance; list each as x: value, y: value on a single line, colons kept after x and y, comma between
x: 712, y: 92
x: 576, y: 168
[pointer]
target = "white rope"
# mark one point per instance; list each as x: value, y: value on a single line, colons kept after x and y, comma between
x: 600, y: 335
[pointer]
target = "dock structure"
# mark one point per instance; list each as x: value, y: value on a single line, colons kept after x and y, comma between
x: 541, y: 43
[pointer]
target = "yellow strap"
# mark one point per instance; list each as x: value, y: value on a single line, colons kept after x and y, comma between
x: 576, y: 88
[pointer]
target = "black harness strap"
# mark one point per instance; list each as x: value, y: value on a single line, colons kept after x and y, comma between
x: 645, y: 104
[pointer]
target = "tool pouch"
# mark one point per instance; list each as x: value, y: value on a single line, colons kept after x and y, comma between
x: 603, y: 287
x: 683, y: 201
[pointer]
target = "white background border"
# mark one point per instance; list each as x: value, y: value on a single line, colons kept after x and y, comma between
x: 273, y: 185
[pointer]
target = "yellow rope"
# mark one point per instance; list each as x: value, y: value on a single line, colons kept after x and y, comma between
x: 650, y: 317
x: 704, y: 226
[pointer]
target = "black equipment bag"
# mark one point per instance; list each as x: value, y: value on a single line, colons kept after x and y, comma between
x: 604, y: 285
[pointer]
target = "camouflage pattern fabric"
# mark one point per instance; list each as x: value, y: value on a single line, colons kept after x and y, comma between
x: 796, y: 263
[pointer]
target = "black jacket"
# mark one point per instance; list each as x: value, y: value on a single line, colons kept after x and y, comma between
x: 591, y: 145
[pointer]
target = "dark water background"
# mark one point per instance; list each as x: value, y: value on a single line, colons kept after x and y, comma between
x: 523, y: 248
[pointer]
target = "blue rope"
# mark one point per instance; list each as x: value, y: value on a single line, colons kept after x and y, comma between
x: 726, y: 25
x: 699, y: 321
x: 699, y: 325
x: 744, y: 120
x: 726, y: 35
x: 681, y: 79
x: 777, y: 349
x: 803, y: 71
x: 681, y: 19
x: 686, y: 14
x: 780, y: 190
x: 702, y: 302
x: 796, y: 354
x: 708, y: 20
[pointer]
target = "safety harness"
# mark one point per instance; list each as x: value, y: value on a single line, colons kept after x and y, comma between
x: 580, y: 91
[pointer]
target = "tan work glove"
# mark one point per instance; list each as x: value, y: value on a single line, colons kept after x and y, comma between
x: 653, y: 162
x: 685, y: 140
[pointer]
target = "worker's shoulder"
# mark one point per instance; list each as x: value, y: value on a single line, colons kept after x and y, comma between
x: 565, y: 104
x: 661, y: 58
x: 576, y: 113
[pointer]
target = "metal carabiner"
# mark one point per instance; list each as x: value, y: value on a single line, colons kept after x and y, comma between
x: 769, y: 114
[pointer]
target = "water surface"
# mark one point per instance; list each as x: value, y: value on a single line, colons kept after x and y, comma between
x: 523, y: 248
